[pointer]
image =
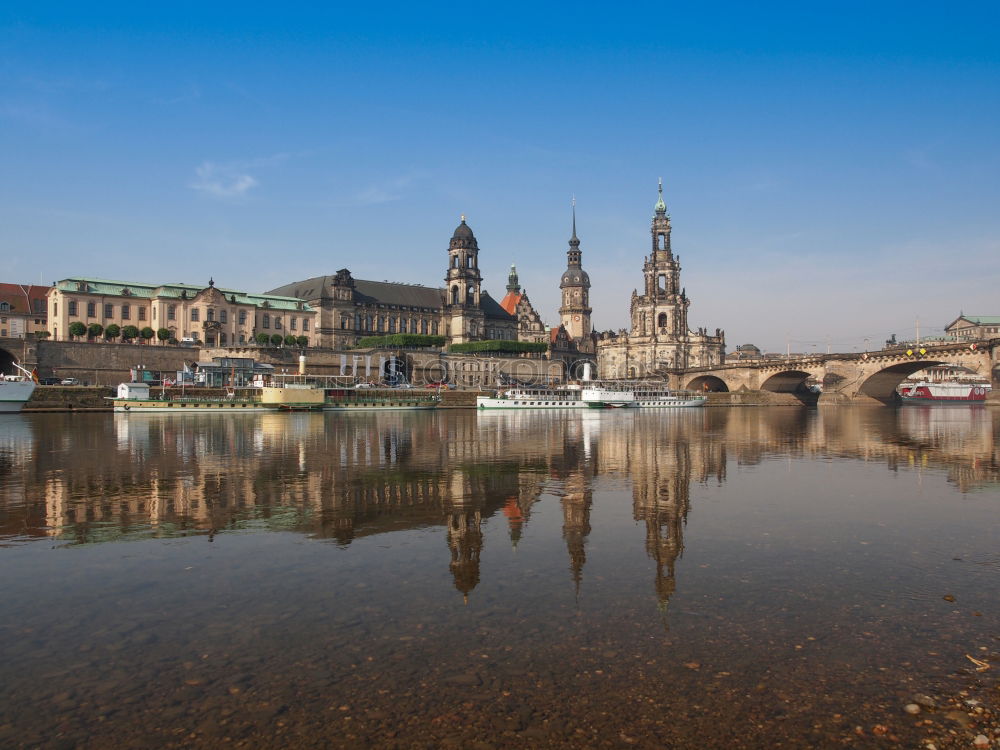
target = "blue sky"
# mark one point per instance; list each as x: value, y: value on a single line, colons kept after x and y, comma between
x: 831, y: 171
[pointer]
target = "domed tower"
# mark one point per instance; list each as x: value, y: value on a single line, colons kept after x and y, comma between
x: 463, y: 277
x: 462, y: 287
x: 574, y: 314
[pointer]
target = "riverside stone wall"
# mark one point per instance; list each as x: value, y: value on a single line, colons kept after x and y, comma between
x: 105, y: 364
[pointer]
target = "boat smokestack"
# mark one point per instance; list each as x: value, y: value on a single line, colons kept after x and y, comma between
x: 302, y: 364
x: 586, y: 372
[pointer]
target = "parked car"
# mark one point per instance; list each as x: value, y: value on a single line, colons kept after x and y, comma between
x: 364, y: 385
x: 49, y: 381
x: 69, y: 381
x: 442, y: 385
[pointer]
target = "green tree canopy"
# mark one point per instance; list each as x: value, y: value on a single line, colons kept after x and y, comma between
x: 263, y: 339
x: 399, y: 340
x: 302, y: 341
x: 77, y: 329
x: 276, y: 339
x: 500, y: 346
x: 163, y: 334
x: 94, y: 330
x: 289, y: 340
x: 147, y: 333
x: 113, y: 331
x: 129, y: 332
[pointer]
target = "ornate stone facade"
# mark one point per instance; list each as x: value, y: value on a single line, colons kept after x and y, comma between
x: 461, y: 311
x: 659, y: 338
x: 529, y: 323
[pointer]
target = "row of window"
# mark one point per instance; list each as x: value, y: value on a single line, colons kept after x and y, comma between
x: 211, y: 315
x: 293, y: 323
x: 382, y: 324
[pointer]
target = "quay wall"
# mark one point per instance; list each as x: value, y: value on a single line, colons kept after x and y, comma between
x: 101, y: 363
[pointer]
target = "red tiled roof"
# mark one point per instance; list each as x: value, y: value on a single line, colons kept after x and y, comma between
x: 509, y: 303
x: 14, y: 295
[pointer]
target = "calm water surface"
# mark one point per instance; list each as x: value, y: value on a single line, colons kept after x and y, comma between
x: 717, y: 577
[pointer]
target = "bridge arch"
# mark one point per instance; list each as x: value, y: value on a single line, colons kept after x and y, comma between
x: 882, y: 385
x: 787, y: 381
x: 711, y: 383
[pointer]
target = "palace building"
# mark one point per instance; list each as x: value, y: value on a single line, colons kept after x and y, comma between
x: 461, y: 311
x: 659, y: 338
x: 205, y: 315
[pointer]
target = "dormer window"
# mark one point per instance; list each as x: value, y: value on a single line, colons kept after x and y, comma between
x: 5, y: 306
x: 126, y: 292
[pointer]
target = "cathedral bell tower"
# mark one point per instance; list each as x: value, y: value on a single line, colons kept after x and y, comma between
x: 574, y: 313
x: 666, y: 316
x: 463, y: 287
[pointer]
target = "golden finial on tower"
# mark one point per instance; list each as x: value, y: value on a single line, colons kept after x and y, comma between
x: 463, y: 217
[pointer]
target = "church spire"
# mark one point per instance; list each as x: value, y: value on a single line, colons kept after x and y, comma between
x: 661, y: 207
x: 573, y: 255
x: 574, y: 240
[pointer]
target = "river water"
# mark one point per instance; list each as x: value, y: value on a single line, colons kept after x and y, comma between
x: 757, y: 577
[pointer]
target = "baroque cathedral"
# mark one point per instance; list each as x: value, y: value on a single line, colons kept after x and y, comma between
x: 659, y: 338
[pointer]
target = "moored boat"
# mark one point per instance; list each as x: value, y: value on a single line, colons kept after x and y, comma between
x: 948, y: 392
x: 15, y: 390
x: 289, y: 397
x: 660, y: 396
x: 528, y: 397
x: 343, y: 399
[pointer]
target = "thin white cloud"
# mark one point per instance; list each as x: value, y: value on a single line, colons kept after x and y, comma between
x: 374, y: 195
x: 386, y: 192
x: 222, y: 180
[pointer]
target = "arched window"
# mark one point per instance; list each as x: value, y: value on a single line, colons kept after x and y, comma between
x: 661, y: 321
x: 454, y: 261
x: 454, y: 295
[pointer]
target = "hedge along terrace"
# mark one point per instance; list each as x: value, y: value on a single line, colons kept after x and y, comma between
x: 498, y: 346
x: 399, y: 341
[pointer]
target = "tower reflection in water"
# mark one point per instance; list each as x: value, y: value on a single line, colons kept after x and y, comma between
x: 344, y: 477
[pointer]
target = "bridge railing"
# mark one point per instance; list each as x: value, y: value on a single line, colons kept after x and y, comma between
x: 909, y: 352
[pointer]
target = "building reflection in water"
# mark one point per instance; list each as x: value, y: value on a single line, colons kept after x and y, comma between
x: 344, y: 477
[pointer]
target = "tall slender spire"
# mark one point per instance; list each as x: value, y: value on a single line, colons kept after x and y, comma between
x: 574, y: 241
x: 574, y: 218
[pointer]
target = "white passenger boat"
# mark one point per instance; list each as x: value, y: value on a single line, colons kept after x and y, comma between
x: 15, y: 390
x: 592, y: 395
x: 659, y: 396
x: 589, y: 395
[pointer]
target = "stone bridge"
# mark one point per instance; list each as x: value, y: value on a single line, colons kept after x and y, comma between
x: 857, y: 377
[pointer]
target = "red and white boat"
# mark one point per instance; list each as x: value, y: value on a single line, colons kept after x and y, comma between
x: 951, y: 392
